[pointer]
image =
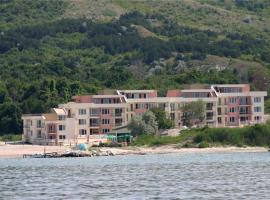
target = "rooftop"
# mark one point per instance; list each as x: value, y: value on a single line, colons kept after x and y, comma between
x: 137, y: 91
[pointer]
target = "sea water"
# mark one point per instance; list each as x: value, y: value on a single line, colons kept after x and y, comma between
x: 161, y: 176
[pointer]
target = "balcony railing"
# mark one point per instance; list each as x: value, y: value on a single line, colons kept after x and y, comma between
x: 244, y: 113
x: 94, y: 124
x: 209, y: 108
x: 247, y: 103
x: 94, y: 114
x: 118, y: 114
x: 52, y: 131
x: 118, y: 124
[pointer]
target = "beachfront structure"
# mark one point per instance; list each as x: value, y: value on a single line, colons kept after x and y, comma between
x: 90, y: 118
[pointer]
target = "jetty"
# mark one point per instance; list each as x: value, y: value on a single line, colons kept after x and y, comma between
x: 66, y: 154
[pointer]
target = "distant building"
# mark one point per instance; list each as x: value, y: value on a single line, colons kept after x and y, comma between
x: 88, y: 119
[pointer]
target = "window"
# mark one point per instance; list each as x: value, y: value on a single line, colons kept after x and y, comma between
x: 61, y: 127
x: 232, y: 119
x: 62, y: 137
x: 257, y: 99
x: 243, y: 119
x: 172, y: 105
x: 172, y: 116
x: 219, y: 111
x: 233, y: 109
x: 105, y: 121
x: 39, y: 124
x: 82, y: 131
x: 243, y: 110
x: 94, y: 111
x: 105, y: 130
x: 219, y: 101
x: 257, y: 109
x: 139, y: 106
x: 61, y: 117
x: 244, y: 101
x: 39, y: 134
x: 232, y: 100
x: 69, y: 113
x: 82, y: 121
x: 94, y: 122
x: 94, y: 131
x: 209, y: 116
x: 51, y: 128
x: 82, y: 111
x: 118, y: 111
x: 257, y: 118
x: 118, y: 122
x: 105, y: 111
x: 209, y: 106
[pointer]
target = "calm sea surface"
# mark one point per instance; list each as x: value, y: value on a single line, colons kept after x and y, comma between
x: 170, y: 176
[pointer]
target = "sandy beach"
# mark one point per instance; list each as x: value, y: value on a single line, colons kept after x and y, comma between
x: 172, y: 149
x: 17, y: 151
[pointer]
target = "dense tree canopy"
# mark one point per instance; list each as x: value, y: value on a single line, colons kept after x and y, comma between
x: 45, y: 59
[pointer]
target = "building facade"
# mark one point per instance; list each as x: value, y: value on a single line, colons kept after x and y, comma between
x: 87, y: 119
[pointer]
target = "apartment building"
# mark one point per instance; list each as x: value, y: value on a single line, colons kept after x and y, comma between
x: 87, y: 119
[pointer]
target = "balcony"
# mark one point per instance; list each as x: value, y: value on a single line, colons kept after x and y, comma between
x: 94, y: 125
x: 244, y: 113
x: 52, y: 131
x: 118, y: 114
x: 26, y: 126
x: 245, y: 104
x: 94, y: 114
x: 210, y: 118
x: 209, y: 108
x: 40, y: 125
x: 118, y: 124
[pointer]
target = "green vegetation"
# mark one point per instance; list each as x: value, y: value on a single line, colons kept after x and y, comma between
x: 163, y: 121
x: 143, y: 124
x: 52, y: 50
x: 154, y: 140
x: 193, y: 113
x: 257, y: 135
x: 10, y: 137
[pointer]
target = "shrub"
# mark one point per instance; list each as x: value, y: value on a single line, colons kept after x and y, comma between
x: 203, y: 145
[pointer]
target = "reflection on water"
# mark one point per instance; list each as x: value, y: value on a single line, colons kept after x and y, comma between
x: 171, y: 176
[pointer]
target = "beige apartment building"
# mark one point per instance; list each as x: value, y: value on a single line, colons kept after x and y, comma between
x: 89, y: 118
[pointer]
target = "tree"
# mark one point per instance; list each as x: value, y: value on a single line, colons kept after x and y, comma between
x: 193, y: 113
x: 162, y: 120
x: 136, y: 125
x: 10, y: 121
x: 151, y: 125
x: 145, y: 124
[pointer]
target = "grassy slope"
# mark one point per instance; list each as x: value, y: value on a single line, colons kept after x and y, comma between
x: 258, y: 135
x: 201, y: 14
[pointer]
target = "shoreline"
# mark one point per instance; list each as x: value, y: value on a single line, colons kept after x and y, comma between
x: 17, y: 151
